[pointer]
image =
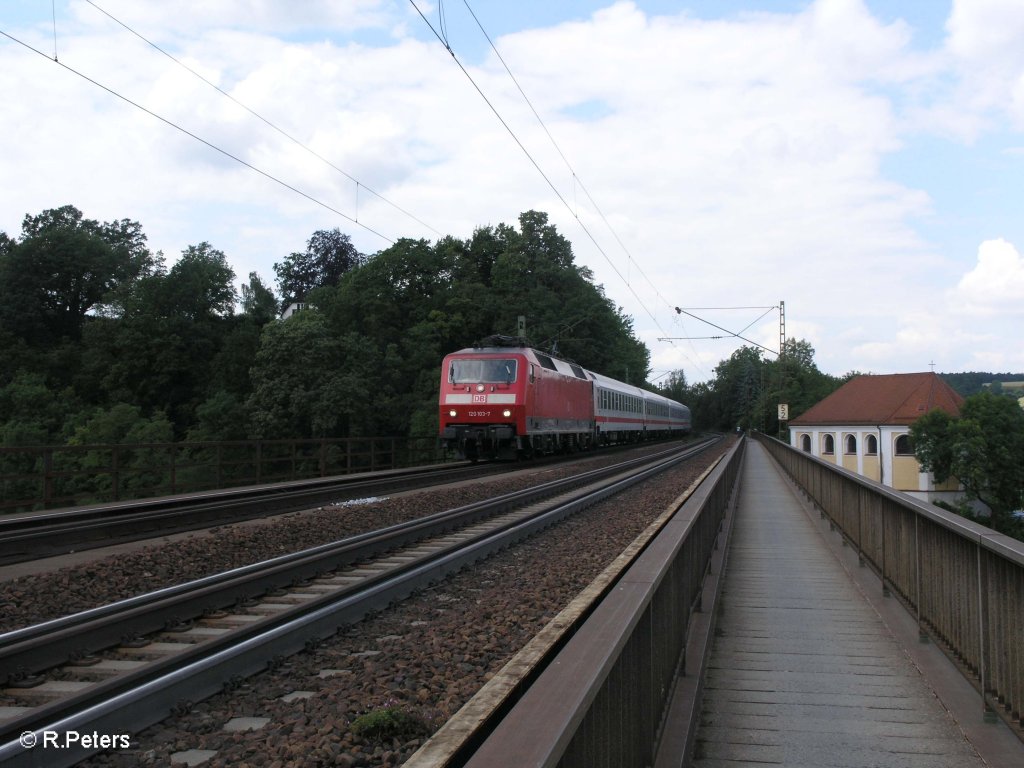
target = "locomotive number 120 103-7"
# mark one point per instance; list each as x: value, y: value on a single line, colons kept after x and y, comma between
x: 478, y: 414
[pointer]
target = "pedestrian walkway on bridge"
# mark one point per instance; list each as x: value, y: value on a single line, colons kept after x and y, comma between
x: 804, y: 672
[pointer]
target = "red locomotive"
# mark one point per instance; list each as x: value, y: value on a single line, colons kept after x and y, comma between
x: 505, y: 399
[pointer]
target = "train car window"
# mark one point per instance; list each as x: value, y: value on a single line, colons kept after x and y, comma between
x: 483, y: 370
x: 533, y: 373
x: 546, y: 361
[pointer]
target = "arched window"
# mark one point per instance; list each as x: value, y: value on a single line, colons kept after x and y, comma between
x: 851, y: 445
x: 805, y: 443
x: 903, y: 446
x: 871, y: 445
x: 828, y: 445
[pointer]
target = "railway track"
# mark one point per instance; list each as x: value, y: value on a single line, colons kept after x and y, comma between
x: 36, y: 535
x: 136, y: 660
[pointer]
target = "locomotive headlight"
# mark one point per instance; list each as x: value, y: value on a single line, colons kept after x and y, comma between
x: 506, y: 413
x: 453, y: 413
x: 480, y: 387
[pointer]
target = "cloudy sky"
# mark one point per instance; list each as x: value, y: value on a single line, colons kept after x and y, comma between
x: 860, y: 160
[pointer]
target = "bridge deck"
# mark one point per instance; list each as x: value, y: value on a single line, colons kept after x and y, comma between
x: 803, y: 670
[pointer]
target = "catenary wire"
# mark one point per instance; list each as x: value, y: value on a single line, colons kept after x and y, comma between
x: 53, y: 11
x: 536, y: 165
x: 736, y: 335
x: 264, y: 120
x: 577, y: 181
x: 575, y: 176
x: 201, y: 140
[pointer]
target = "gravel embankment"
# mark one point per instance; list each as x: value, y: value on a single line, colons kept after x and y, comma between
x: 427, y: 656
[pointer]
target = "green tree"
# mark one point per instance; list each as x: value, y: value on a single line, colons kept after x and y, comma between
x: 748, y: 386
x: 329, y: 255
x: 258, y: 301
x: 122, y: 423
x: 534, y: 275
x: 310, y: 382
x: 220, y: 417
x: 200, y: 285
x: 161, y: 354
x: 795, y: 379
x: 983, y: 449
x: 676, y: 388
x: 141, y: 470
x: 63, y: 267
x: 739, y: 388
x: 31, y: 412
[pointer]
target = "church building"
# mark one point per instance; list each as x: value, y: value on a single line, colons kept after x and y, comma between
x: 864, y: 426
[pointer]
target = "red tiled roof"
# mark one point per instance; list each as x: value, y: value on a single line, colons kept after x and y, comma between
x: 899, y: 398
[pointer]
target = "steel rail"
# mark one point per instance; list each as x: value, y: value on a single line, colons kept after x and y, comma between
x: 31, y: 536
x: 148, y: 694
x: 42, y: 646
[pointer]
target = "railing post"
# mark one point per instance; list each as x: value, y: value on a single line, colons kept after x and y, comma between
x: 987, y: 712
x: 885, y: 585
x: 47, y: 477
x: 860, y: 529
x: 115, y: 471
x: 174, y: 453
x: 922, y: 636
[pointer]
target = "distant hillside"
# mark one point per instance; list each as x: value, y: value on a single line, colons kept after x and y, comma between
x: 970, y: 383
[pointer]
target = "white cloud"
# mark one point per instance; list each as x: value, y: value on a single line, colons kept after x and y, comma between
x: 996, y: 284
x: 984, y: 39
x: 739, y: 160
x: 184, y: 17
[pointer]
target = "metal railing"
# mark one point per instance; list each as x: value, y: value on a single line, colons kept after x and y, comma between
x: 45, y: 477
x: 602, y: 703
x: 964, y: 582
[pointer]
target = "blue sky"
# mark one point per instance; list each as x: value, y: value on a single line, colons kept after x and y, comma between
x: 861, y: 160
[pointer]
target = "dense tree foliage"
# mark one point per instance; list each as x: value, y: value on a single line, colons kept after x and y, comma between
x: 105, y: 342
x: 62, y: 267
x: 983, y: 449
x: 328, y: 256
x: 973, y: 382
x: 747, y: 388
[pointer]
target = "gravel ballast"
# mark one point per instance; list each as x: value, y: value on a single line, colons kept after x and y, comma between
x: 421, y: 660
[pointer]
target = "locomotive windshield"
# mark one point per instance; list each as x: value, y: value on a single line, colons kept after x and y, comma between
x: 489, y: 371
